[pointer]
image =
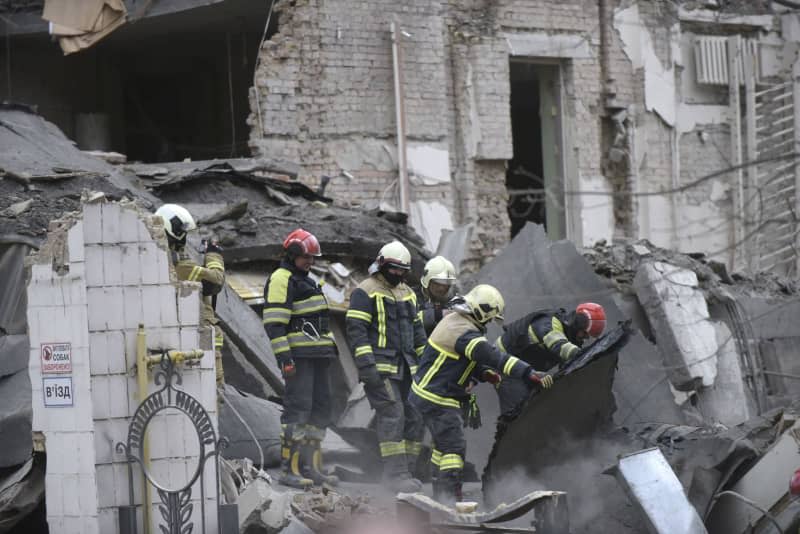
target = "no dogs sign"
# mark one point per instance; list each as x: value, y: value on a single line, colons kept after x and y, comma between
x: 56, y: 358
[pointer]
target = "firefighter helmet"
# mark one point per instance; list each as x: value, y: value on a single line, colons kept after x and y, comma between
x: 394, y: 255
x: 438, y: 269
x: 596, y: 315
x: 301, y: 242
x: 177, y: 221
x: 485, y: 303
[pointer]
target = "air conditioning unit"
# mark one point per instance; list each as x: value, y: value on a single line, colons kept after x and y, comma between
x: 711, y: 59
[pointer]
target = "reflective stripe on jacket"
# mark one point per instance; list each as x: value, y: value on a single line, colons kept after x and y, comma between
x: 212, y: 271
x: 456, y: 347
x: 296, y: 315
x: 542, y: 338
x: 382, y: 325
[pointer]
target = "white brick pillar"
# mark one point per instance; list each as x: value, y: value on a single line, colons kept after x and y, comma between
x: 115, y: 277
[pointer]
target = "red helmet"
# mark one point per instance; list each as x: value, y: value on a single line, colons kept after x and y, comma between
x: 301, y: 242
x: 596, y: 315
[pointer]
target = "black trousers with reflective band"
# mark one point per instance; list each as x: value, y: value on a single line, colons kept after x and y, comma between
x: 307, y: 398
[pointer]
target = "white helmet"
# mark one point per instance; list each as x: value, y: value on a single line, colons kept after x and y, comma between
x: 485, y: 303
x: 394, y: 254
x: 177, y: 221
x: 438, y: 269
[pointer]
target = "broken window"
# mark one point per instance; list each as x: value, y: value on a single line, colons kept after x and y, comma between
x: 535, y: 175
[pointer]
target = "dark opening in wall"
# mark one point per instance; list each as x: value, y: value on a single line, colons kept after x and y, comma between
x: 535, y: 178
x: 163, y: 88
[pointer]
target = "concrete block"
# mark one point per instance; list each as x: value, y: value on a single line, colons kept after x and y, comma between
x: 191, y: 382
x: 129, y: 225
x: 177, y: 473
x: 54, y: 493
x: 75, y: 243
x: 118, y: 396
x: 159, y: 436
x: 208, y: 389
x: 72, y: 490
x: 112, y: 265
x: 131, y: 268
x: 108, y: 519
x: 75, y: 316
x: 105, y: 308
x: 164, y: 266
x: 76, y: 289
x: 115, y: 347
x: 121, y: 491
x: 151, y: 302
x: 260, y: 505
x: 86, y: 452
x: 169, y: 305
x: 129, y: 338
x: 41, y: 272
x: 87, y: 498
x: 118, y: 433
x: 100, y: 397
x: 133, y: 307
x: 92, y: 224
x: 176, y: 447
x: 728, y: 401
x: 133, y: 394
x: 111, y: 223
x: 190, y: 338
x: 98, y: 351
x: 163, y: 338
x: 103, y: 442
x: 160, y: 473
x: 677, y: 310
x: 148, y: 262
x: 44, y: 293
x: 189, y: 309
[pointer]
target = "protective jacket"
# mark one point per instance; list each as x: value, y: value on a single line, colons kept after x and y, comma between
x: 211, y: 274
x: 456, y: 347
x: 383, y: 326
x: 543, y: 338
x: 296, y: 315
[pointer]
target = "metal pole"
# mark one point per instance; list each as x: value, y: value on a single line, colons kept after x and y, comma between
x: 142, y: 381
x: 734, y: 103
x: 400, y: 116
x: 751, y: 213
x: 796, y: 109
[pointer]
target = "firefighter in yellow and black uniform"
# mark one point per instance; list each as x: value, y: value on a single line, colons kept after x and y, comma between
x: 386, y: 336
x: 296, y: 319
x: 177, y: 223
x: 457, y: 350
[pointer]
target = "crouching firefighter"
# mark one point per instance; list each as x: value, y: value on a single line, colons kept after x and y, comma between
x: 178, y: 222
x: 544, y: 339
x: 386, y: 336
x: 296, y: 319
x: 455, y: 349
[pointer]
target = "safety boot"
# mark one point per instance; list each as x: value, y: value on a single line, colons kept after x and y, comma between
x: 449, y: 489
x: 311, y: 456
x: 290, y: 465
x: 396, y: 476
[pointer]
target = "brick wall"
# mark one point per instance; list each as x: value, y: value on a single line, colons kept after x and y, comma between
x: 96, y: 279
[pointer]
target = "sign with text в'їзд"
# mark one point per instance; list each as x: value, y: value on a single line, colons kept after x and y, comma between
x: 56, y: 358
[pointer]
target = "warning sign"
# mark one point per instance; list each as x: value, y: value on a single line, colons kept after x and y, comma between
x: 57, y: 391
x: 56, y: 358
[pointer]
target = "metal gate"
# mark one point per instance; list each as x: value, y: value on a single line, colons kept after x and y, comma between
x: 775, y: 198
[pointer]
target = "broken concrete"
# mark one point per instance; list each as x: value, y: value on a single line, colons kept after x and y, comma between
x: 684, y: 334
x: 263, y: 509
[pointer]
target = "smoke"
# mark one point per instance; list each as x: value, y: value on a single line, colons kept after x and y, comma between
x: 576, y: 467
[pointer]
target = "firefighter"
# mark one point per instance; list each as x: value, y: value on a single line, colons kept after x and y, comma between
x: 296, y: 319
x: 386, y: 336
x: 436, y: 286
x: 177, y: 223
x: 455, y: 349
x: 544, y: 339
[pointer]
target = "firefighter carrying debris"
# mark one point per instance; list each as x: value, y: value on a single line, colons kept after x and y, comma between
x: 386, y: 336
x: 177, y: 223
x: 296, y: 319
x: 544, y: 339
x: 455, y: 349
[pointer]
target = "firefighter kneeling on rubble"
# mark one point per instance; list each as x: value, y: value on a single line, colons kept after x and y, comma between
x: 386, y: 336
x: 456, y: 351
x: 177, y: 223
x: 296, y: 319
x: 544, y: 339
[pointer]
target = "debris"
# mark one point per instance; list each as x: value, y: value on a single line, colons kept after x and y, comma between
x: 262, y: 509
x: 653, y: 487
x: 115, y: 158
x: 17, y: 208
x: 21, y: 491
x: 232, y: 211
x: 263, y: 419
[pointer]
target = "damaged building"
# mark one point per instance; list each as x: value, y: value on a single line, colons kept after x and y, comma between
x: 635, y: 153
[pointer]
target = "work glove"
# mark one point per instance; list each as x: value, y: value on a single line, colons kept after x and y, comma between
x: 370, y: 377
x: 286, y: 364
x: 210, y: 245
x: 472, y: 413
x: 541, y: 379
x: 491, y: 376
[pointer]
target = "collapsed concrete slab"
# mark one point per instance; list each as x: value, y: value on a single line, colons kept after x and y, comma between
x: 678, y: 313
x: 535, y: 273
x: 263, y: 509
